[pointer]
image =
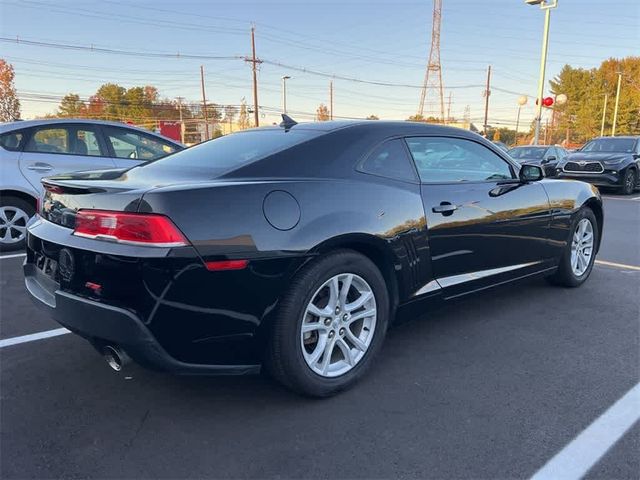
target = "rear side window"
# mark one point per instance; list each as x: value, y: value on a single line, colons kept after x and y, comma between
x: 11, y: 141
x: 390, y: 160
x: 68, y: 140
x: 49, y: 140
x: 135, y: 145
x: 442, y: 159
x: 229, y: 152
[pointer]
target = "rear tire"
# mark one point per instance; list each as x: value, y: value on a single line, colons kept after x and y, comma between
x: 629, y: 182
x: 580, y: 253
x: 14, y: 215
x: 323, y: 299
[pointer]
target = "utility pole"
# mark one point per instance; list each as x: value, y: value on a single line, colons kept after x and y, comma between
x: 487, y: 92
x: 449, y: 108
x: 204, y: 104
x: 546, y: 132
x: 254, y: 66
x: 615, y: 110
x: 433, y: 75
x: 181, y: 122
x: 331, y: 100
x: 604, y: 113
x: 284, y: 93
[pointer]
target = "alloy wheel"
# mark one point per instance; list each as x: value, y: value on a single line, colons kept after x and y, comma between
x: 338, y: 325
x: 630, y: 182
x: 13, y: 224
x: 582, y: 247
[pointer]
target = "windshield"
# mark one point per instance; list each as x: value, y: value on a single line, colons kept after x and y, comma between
x: 527, y: 152
x: 620, y: 145
x: 216, y: 157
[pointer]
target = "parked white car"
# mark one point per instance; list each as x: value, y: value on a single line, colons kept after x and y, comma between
x: 30, y: 150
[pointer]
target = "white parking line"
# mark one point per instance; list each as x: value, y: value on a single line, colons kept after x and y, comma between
x: 617, y: 265
x: 626, y: 199
x: 584, y: 451
x: 7, y: 342
x: 14, y: 255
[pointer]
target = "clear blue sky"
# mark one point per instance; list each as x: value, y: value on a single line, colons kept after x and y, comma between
x: 371, y: 40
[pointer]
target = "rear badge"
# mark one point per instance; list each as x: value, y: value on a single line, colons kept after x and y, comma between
x: 66, y: 265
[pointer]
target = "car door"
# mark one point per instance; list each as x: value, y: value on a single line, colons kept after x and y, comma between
x: 129, y: 147
x: 61, y: 148
x: 484, y: 224
x: 550, y: 160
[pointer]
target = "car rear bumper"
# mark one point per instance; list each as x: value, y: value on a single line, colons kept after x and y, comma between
x: 103, y: 324
x: 605, y: 179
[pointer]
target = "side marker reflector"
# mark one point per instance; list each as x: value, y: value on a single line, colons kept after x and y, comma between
x: 221, y: 265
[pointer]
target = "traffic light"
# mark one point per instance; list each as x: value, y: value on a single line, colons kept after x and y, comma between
x: 546, y: 102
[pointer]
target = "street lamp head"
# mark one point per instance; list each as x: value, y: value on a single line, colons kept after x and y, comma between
x: 523, y: 100
x: 561, y: 99
x: 533, y: 2
x: 286, y: 77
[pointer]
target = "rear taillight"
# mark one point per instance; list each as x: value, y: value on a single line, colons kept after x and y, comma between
x: 130, y: 228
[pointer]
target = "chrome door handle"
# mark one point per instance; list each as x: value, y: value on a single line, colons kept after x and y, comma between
x: 444, y: 208
x: 40, y: 167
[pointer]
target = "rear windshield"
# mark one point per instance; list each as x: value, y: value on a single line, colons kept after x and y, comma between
x: 229, y: 152
x: 527, y: 152
x: 621, y: 145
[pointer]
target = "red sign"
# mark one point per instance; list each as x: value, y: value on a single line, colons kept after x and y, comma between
x: 170, y: 130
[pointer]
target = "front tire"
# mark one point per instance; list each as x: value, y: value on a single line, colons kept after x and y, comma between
x: 330, y: 326
x: 580, y: 253
x: 629, y: 182
x: 14, y: 215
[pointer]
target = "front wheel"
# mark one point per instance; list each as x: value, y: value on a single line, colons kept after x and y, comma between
x: 629, y: 182
x: 330, y: 326
x: 580, y: 253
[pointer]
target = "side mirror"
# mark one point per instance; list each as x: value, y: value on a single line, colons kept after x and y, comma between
x: 636, y: 156
x: 552, y: 158
x: 531, y: 173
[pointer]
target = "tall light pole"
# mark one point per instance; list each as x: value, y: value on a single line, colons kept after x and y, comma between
x: 546, y: 6
x: 615, y: 110
x: 604, y: 113
x: 284, y: 93
x: 522, y: 101
x: 181, y: 121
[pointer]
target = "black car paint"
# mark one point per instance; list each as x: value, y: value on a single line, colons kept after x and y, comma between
x: 191, y: 320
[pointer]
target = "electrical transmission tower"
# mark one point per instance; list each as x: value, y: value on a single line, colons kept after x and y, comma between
x: 433, y: 75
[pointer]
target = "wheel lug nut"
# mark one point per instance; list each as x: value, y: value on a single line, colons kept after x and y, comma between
x: 327, y: 321
x: 345, y: 317
x: 342, y: 331
x: 337, y: 310
x: 331, y: 334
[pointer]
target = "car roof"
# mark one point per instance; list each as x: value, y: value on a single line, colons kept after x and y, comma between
x: 628, y: 137
x: 392, y: 127
x: 20, y: 124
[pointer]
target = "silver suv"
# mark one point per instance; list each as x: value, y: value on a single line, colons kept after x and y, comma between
x: 30, y: 150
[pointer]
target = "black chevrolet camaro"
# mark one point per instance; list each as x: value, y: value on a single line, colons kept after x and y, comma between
x: 293, y: 247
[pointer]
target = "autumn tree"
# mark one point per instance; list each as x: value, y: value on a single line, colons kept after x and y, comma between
x: 9, y: 103
x: 243, y: 115
x: 322, y: 113
x: 586, y: 89
x: 373, y: 117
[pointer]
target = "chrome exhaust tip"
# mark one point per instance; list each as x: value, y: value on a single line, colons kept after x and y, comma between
x: 115, y: 357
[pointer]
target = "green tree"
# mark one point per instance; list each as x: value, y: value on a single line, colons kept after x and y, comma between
x: 113, y: 98
x: 373, y: 117
x: 71, y: 106
x: 9, y: 103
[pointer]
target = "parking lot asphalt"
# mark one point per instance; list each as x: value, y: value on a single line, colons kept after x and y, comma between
x: 491, y: 386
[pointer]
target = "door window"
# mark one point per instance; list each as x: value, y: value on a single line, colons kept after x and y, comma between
x: 390, y: 160
x: 69, y: 140
x: 137, y: 146
x: 446, y: 160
